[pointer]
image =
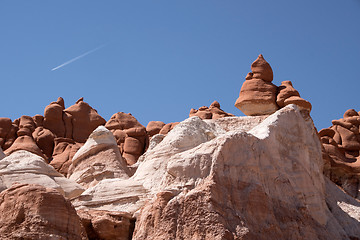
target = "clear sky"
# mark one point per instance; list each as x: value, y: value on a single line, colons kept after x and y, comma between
x: 158, y: 59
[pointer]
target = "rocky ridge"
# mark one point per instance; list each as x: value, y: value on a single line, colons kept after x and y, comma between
x: 71, y: 175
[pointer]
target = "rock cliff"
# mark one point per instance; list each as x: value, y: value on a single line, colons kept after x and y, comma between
x: 70, y: 174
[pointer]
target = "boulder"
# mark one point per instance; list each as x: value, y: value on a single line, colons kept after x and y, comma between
x: 258, y: 95
x: 32, y: 211
x: 26, y: 126
x: 107, y: 225
x: 168, y: 127
x: 38, y: 120
x: 288, y: 95
x: 44, y: 138
x: 26, y: 167
x: 99, y: 158
x: 154, y: 127
x: 53, y: 117
x: 84, y: 120
x: 131, y: 136
x: 212, y: 112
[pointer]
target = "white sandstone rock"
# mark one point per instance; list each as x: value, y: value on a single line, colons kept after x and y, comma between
x: 251, y: 176
x: 25, y: 167
x: 99, y: 158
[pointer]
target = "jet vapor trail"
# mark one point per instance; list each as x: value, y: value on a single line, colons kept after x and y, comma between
x: 78, y: 57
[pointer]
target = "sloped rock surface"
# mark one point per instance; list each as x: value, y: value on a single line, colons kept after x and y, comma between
x: 31, y: 211
x: 265, y: 183
x: 26, y: 167
x: 99, y: 158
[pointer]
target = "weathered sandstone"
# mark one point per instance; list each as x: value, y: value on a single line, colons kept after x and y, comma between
x: 31, y: 211
x: 130, y: 135
x: 154, y: 127
x: 258, y: 95
x: 341, y: 145
x: 212, y: 112
x: 287, y: 94
x: 257, y: 184
x: 26, y: 167
x: 107, y: 225
x: 99, y: 158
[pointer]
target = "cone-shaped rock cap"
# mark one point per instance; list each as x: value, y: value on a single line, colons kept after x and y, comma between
x: 262, y: 69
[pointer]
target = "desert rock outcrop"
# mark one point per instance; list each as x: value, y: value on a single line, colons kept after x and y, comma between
x: 231, y: 178
x: 212, y: 112
x: 258, y: 95
x: 31, y: 211
x: 25, y: 167
x: 130, y: 135
x: 154, y: 127
x: 259, y: 178
x: 107, y: 225
x: 287, y: 94
x: 99, y: 158
x: 341, y: 145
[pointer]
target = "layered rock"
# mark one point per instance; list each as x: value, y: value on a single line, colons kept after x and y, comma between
x: 212, y: 112
x: 287, y: 94
x: 130, y: 135
x: 31, y: 211
x: 231, y: 178
x: 25, y: 167
x: 265, y: 183
x: 99, y: 158
x: 341, y: 145
x: 258, y: 95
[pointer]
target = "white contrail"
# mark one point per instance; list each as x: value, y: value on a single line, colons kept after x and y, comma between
x: 78, y: 57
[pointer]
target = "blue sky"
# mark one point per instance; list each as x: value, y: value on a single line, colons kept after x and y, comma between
x: 162, y: 58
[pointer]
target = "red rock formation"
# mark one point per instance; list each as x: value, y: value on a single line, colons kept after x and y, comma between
x: 341, y: 146
x: 168, y: 127
x: 107, y: 225
x: 27, y: 143
x: 288, y: 95
x: 212, y: 112
x: 31, y: 211
x: 130, y: 135
x: 5, y: 127
x: 44, y: 138
x: 154, y: 127
x: 64, y: 150
x: 84, y: 120
x: 258, y: 95
x: 53, y: 118
x: 26, y: 126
